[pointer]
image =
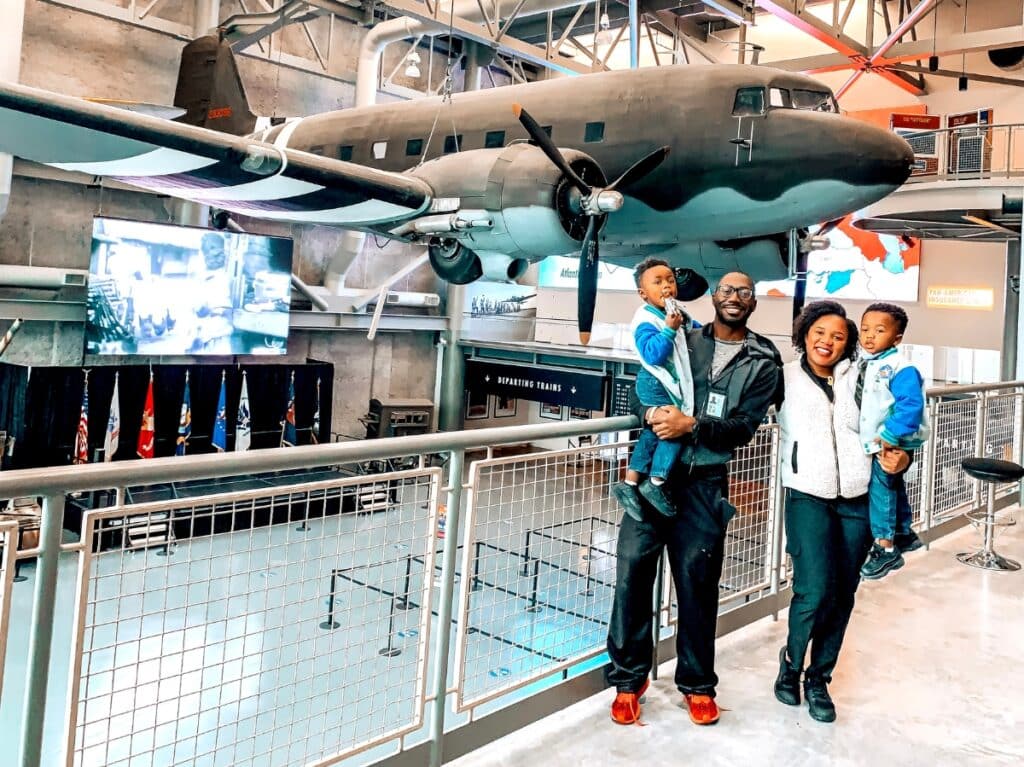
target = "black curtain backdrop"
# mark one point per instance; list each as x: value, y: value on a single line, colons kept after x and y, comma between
x: 46, y: 424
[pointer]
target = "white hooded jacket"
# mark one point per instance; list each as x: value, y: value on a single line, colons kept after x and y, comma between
x: 821, y: 447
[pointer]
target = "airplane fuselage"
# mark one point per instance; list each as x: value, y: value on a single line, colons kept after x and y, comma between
x: 734, y: 171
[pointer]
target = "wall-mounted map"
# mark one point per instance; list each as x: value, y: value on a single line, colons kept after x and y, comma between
x: 858, y: 265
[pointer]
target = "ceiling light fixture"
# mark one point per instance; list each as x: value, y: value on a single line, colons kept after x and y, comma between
x: 412, y: 69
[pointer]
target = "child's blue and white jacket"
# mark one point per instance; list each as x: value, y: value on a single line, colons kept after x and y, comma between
x: 663, y: 353
x: 892, y: 407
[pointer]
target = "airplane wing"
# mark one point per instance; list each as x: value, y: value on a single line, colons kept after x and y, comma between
x: 235, y: 173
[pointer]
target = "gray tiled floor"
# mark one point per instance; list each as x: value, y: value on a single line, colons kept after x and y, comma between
x: 931, y: 675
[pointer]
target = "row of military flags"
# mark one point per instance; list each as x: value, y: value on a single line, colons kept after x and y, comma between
x: 147, y: 432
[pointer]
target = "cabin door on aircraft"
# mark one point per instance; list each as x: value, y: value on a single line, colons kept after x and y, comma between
x: 748, y: 110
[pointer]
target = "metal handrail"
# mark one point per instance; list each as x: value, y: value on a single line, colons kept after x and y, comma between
x: 50, y: 481
x: 941, y: 391
x: 1002, y: 162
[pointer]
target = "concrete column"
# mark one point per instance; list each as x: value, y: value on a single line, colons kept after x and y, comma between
x: 1009, y: 369
x: 13, y: 14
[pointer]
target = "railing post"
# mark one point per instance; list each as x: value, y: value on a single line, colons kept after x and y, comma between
x: 931, y: 458
x: 979, y: 442
x: 777, y: 517
x: 42, y: 631
x: 444, y: 606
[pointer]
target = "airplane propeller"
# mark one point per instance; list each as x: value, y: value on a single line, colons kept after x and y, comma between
x: 596, y: 203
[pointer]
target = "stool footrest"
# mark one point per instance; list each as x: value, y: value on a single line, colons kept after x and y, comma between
x: 980, y: 517
x: 988, y: 560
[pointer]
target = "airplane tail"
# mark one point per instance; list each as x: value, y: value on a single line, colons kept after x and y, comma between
x: 210, y: 90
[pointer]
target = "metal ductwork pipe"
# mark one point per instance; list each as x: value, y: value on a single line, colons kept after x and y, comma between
x: 13, y: 14
x: 1008, y: 59
x: 370, y: 52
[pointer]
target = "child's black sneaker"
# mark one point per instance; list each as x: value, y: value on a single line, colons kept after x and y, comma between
x: 881, y: 562
x: 629, y: 500
x: 906, y: 542
x: 657, y: 497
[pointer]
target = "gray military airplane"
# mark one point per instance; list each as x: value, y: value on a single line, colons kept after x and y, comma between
x: 713, y: 166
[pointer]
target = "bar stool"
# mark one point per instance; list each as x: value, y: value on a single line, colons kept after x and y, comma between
x: 993, y: 472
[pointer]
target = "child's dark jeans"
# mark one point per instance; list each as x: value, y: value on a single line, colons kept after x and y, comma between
x: 888, y: 504
x: 652, y: 455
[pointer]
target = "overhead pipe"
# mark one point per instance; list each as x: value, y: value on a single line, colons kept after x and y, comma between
x: 13, y: 14
x: 370, y: 52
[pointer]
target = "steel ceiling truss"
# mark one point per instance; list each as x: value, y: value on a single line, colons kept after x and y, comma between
x: 897, y: 59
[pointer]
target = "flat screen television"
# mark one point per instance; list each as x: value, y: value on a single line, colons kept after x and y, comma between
x: 159, y: 289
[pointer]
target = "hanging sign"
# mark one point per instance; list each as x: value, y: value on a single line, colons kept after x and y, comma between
x: 556, y: 386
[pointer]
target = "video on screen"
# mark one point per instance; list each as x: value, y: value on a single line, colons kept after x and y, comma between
x: 159, y: 289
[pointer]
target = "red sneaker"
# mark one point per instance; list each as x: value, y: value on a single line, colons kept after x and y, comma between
x: 626, y: 706
x: 702, y: 708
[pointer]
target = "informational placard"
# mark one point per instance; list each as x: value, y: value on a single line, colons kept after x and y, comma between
x: 960, y: 297
x: 562, y: 272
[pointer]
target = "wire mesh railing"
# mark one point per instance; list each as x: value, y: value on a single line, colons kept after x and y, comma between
x: 8, y: 565
x: 538, y: 568
x: 250, y: 638
x: 967, y: 152
x: 295, y: 625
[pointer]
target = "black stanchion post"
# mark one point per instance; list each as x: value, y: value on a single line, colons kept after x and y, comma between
x: 390, y: 651
x: 330, y: 623
x: 402, y: 603
x: 526, y: 555
x: 534, y: 607
x: 476, y: 585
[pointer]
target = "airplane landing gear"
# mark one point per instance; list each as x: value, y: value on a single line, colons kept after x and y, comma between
x: 452, y: 262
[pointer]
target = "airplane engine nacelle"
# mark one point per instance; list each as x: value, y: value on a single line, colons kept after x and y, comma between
x: 514, y: 207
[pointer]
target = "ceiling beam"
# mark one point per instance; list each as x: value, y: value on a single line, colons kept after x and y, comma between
x: 957, y: 73
x: 947, y: 45
x: 789, y: 12
x: 469, y: 30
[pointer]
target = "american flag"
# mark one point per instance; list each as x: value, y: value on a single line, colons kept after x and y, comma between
x: 82, y: 437
x: 289, y: 435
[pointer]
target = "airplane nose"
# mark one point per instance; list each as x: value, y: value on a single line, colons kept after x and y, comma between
x: 888, y: 158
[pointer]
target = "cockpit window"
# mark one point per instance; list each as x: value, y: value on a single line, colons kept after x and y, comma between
x: 749, y: 101
x: 779, y: 98
x: 817, y: 101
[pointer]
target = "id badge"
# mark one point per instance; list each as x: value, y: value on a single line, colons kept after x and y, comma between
x: 716, y: 404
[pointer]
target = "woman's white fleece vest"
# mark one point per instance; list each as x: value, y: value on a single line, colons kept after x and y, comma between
x: 821, y: 447
x: 679, y: 388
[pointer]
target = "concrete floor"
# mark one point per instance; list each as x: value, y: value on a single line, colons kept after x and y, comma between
x: 931, y: 674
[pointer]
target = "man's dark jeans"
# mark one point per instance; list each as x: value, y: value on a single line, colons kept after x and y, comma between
x: 827, y: 540
x: 694, y: 540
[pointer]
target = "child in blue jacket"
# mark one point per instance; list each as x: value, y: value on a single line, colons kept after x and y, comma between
x: 890, y: 393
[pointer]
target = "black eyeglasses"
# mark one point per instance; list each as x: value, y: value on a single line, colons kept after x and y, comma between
x: 727, y: 290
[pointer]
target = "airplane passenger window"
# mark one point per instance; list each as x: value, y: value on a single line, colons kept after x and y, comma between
x: 452, y: 143
x: 317, y: 150
x: 380, y: 150
x: 345, y: 153
x: 818, y: 101
x: 495, y: 139
x: 779, y: 97
x: 594, y: 133
x: 749, y: 101
x: 414, y: 147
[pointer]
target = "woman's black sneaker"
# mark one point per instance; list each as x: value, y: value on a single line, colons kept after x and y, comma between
x: 787, y: 683
x: 907, y: 542
x: 819, y: 702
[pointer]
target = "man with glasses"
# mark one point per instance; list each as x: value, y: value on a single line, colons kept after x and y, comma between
x: 736, y: 376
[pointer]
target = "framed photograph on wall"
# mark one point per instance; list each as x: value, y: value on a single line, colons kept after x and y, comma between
x: 477, y: 405
x: 504, y: 407
x: 554, y: 412
x: 578, y: 413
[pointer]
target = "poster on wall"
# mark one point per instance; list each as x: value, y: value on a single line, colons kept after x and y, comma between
x: 858, y: 265
x: 500, y: 299
x: 562, y: 272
